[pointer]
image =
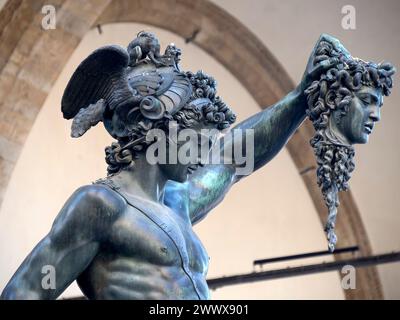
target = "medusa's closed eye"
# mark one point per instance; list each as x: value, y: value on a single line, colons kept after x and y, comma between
x: 369, y: 98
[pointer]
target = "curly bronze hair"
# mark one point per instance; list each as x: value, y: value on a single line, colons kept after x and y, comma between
x: 121, y: 154
x: 334, y: 91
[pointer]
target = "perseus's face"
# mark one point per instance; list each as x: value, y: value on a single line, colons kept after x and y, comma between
x: 357, y: 124
x: 185, y: 153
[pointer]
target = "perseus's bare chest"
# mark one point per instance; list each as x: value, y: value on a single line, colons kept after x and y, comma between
x: 155, y: 234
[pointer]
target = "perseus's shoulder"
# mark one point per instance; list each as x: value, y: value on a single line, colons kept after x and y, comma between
x: 87, y: 214
x: 100, y: 197
x: 94, y: 202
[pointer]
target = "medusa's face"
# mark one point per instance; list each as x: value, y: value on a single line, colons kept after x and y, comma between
x: 357, y: 124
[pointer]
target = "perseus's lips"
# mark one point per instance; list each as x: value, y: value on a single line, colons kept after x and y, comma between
x: 192, y: 168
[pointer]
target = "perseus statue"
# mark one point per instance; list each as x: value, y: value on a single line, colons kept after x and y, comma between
x: 129, y: 235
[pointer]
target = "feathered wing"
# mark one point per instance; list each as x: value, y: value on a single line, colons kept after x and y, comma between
x: 87, y: 118
x: 102, y: 75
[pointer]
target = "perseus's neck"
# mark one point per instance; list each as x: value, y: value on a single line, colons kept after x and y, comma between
x: 143, y: 180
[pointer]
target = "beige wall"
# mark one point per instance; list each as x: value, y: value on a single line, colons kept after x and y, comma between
x: 268, y: 214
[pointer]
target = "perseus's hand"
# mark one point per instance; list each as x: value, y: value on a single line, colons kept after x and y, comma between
x: 324, y: 56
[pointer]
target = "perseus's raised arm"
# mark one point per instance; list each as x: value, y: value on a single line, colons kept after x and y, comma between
x: 271, y: 129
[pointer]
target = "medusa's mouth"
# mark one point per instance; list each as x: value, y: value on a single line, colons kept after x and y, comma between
x: 368, y: 127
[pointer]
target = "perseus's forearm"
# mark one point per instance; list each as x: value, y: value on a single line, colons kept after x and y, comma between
x: 274, y: 126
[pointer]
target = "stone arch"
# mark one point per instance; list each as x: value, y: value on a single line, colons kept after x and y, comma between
x: 31, y: 60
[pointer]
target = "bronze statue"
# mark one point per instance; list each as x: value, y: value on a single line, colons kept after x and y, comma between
x: 343, y: 105
x: 130, y: 236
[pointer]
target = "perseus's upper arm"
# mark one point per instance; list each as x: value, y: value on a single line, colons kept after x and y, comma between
x: 69, y: 247
x: 206, y: 188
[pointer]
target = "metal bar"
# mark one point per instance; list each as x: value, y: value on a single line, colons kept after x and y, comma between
x: 302, y: 270
x: 306, y: 255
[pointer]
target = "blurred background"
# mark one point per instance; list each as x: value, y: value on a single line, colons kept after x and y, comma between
x: 271, y: 213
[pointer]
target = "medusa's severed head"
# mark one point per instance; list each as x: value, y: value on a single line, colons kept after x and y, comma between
x: 343, y: 107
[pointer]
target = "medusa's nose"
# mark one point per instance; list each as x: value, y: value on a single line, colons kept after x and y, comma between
x: 375, y: 113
